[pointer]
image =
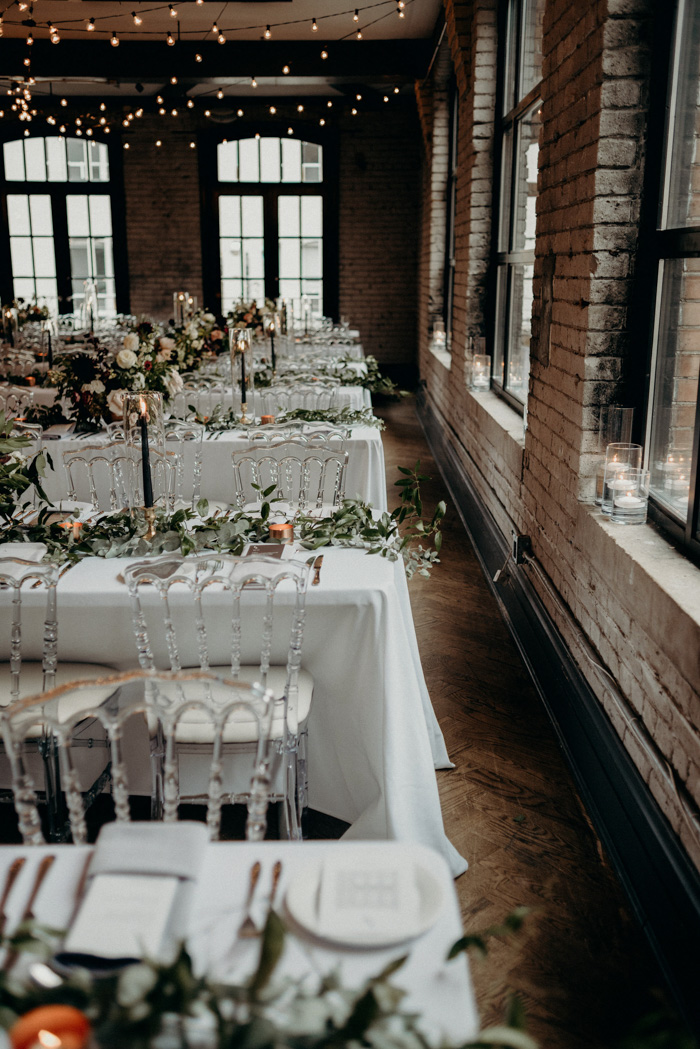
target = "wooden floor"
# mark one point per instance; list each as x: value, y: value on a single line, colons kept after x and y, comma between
x: 510, y: 807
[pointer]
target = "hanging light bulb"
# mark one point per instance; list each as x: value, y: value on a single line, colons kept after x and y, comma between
x: 193, y: 145
x: 300, y: 108
x: 173, y: 12
x: 138, y: 20
x: 159, y: 100
x: 358, y: 34
x: 170, y: 40
x: 103, y: 120
x: 107, y: 130
x: 190, y: 103
x: 329, y: 104
x: 314, y: 26
x: 158, y: 142
x: 91, y: 25
x: 219, y: 93
x: 78, y: 132
x: 324, y: 53
x: 78, y: 122
x: 400, y: 11
x: 22, y: 6
x: 396, y: 90
x: 253, y: 82
x: 239, y: 112
x: 198, y: 57
x: 290, y: 130
x: 173, y: 112
x: 115, y: 40
x: 358, y: 97
x: 102, y: 106
x: 64, y: 102
x: 268, y: 32
x: 356, y: 16
x: 322, y: 122
x: 139, y: 112
x: 173, y: 80
x: 285, y: 70
x: 207, y: 112
x: 30, y: 39
x: 126, y: 144
x: 273, y: 110
x: 386, y: 98
x: 221, y: 39
x: 162, y: 111
x: 353, y: 111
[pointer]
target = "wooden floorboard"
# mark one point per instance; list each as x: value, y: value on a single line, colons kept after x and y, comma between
x: 581, y: 964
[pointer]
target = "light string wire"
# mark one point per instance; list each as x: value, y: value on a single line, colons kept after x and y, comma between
x: 63, y: 23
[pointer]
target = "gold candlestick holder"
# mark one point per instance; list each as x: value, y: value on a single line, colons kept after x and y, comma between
x: 245, y: 418
x: 149, y: 512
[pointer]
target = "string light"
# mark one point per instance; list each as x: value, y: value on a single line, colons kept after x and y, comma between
x: 103, y: 120
x: 192, y: 145
x: 30, y: 39
x: 239, y: 113
x: 300, y: 108
x: 159, y: 100
x: 64, y: 102
x: 126, y: 145
x: 268, y: 32
x: 356, y: 16
x: 138, y: 20
x: 170, y: 40
x: 107, y: 130
x: 78, y: 131
x: 353, y: 111
x: 386, y: 98
x: 158, y: 142
x: 91, y: 26
x: 162, y: 111
x: 322, y: 122
x: 221, y: 39
x: 290, y: 130
x: 273, y: 110
x: 173, y: 12
x: 314, y: 26
x: 173, y: 80
x: 198, y: 57
x: 358, y: 97
x: 396, y: 90
x: 358, y: 34
x: 139, y: 112
x: 219, y: 93
x: 285, y: 69
x: 324, y: 53
x: 62, y: 129
x: 253, y: 82
x: 400, y: 11
x: 115, y: 40
x: 102, y: 106
x: 329, y: 104
x: 207, y: 112
x: 22, y: 6
x: 190, y: 103
x: 173, y: 112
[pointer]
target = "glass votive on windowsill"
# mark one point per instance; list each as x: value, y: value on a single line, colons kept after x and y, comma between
x: 480, y: 377
x: 619, y: 460
x: 614, y: 427
x: 631, y: 499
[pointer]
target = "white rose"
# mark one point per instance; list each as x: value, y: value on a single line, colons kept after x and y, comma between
x: 115, y: 401
x: 173, y: 382
x: 209, y: 318
x: 196, y: 344
x: 191, y: 331
x: 131, y: 341
x: 96, y: 386
x: 126, y: 358
x: 139, y: 382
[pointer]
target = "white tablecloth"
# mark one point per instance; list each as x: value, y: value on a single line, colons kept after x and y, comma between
x: 42, y: 396
x: 374, y: 740
x: 438, y: 990
x: 365, y: 477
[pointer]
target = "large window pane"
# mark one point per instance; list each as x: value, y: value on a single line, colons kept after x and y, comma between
x: 18, y: 214
x: 77, y: 160
x: 520, y: 326
x: 531, y: 44
x: 227, y: 161
x: 248, y: 159
x: 13, y: 157
x: 676, y: 385
x: 35, y: 160
x: 291, y: 160
x: 681, y: 206
x: 525, y: 188
x: 56, y: 160
x: 269, y: 159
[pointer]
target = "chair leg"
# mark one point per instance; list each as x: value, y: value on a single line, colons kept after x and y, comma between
x: 157, y: 774
x: 291, y: 813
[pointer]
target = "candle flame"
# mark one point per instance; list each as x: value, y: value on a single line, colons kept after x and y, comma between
x: 49, y: 1040
x: 142, y: 406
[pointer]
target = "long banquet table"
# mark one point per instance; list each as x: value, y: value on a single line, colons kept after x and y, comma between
x: 374, y: 740
x: 439, y: 991
x: 365, y: 477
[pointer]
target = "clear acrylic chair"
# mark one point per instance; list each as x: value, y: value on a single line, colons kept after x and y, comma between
x: 185, y: 439
x: 315, y: 396
x: 29, y: 662
x: 310, y: 436
x: 249, y: 610
x: 109, y: 476
x: 202, y: 396
x: 16, y: 402
x: 140, y: 711
x: 306, y: 479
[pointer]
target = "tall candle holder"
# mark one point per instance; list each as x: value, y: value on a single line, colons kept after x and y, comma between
x: 180, y: 302
x: 480, y: 375
x: 242, y: 370
x: 614, y: 427
x: 144, y: 437
x: 271, y: 327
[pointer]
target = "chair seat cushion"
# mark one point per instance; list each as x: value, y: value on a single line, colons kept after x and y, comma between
x: 32, y: 679
x: 195, y: 728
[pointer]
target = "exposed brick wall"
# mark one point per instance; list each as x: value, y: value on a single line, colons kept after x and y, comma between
x: 161, y: 187
x: 380, y: 182
x: 603, y: 583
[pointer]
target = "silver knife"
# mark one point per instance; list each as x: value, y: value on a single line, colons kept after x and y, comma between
x: 317, y: 570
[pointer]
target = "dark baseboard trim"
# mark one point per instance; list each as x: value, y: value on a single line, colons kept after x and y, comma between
x: 660, y: 882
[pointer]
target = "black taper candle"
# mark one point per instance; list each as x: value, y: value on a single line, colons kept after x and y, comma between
x: 243, y: 389
x: 145, y: 459
x: 272, y: 349
x: 50, y: 350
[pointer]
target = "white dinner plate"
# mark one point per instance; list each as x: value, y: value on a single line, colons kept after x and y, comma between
x: 302, y: 901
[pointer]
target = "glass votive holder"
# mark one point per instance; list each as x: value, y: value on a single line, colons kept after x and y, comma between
x: 614, y: 427
x: 619, y: 460
x: 240, y: 343
x: 630, y: 501
x: 144, y: 436
x: 180, y: 307
x: 480, y: 376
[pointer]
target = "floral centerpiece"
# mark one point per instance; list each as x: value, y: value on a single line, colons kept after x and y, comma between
x: 200, y: 337
x: 27, y: 311
x: 250, y: 315
x: 95, y: 382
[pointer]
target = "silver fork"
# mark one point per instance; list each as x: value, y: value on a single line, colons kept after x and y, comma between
x: 247, y: 929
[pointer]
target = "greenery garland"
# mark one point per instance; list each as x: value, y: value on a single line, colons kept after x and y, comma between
x: 154, y: 1000
x: 222, y: 419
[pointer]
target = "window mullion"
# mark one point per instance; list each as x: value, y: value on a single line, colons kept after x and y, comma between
x: 64, y: 284
x: 270, y: 242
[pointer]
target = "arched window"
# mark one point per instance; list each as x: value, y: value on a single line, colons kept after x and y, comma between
x: 57, y: 212
x: 270, y: 212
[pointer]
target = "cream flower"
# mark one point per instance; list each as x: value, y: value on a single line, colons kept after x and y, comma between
x: 96, y: 386
x: 126, y: 358
x: 209, y: 318
x: 115, y: 401
x: 131, y: 341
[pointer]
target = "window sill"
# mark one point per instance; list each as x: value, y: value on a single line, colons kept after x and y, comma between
x: 510, y: 421
x: 662, y: 585
x: 443, y: 356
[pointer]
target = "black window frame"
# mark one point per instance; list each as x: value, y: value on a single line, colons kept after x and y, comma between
x: 58, y: 192
x: 211, y: 189
x: 451, y: 211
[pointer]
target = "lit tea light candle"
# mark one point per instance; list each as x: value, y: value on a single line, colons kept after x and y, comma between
x: 71, y: 526
x: 51, y: 1027
x: 267, y: 420
x: 31, y: 381
x: 281, y: 532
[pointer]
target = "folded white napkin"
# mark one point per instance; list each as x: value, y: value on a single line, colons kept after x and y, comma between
x: 138, y: 894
